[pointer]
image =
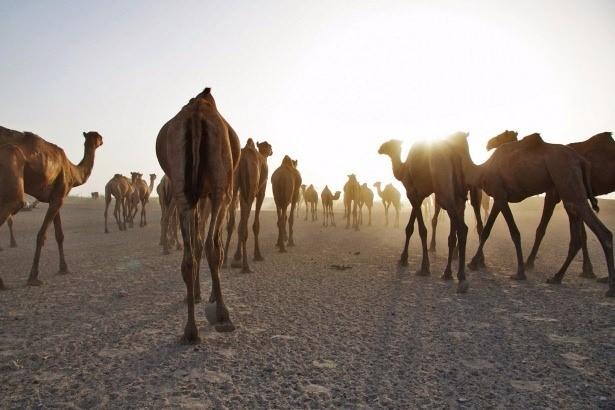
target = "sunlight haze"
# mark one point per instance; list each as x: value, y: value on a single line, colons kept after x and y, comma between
x: 324, y: 82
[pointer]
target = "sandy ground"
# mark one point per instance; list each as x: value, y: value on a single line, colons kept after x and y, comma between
x: 376, y: 335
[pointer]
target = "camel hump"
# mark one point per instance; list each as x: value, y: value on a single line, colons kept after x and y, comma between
x: 606, y: 136
x: 117, y: 176
x: 250, y: 143
x: 532, y: 140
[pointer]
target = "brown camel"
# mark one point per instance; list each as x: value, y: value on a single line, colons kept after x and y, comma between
x: 352, y: 195
x: 327, y: 199
x: 199, y: 151
x: 140, y: 195
x: 432, y: 168
x: 311, y: 202
x: 95, y: 195
x: 518, y: 170
x: 168, y: 211
x: 366, y: 198
x: 29, y: 164
x: 301, y: 198
x: 286, y: 183
x: 390, y: 196
x: 250, y: 185
x: 120, y: 188
x: 599, y: 150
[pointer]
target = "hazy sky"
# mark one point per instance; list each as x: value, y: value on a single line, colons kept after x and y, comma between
x: 323, y: 81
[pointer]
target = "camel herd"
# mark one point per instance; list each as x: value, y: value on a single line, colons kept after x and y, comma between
x: 208, y: 175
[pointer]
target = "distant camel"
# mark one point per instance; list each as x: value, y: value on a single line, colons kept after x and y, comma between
x: 250, y: 185
x: 432, y: 168
x: 366, y: 198
x: 41, y: 169
x: 120, y: 188
x: 141, y: 195
x: 390, y: 196
x: 327, y: 199
x: 95, y: 195
x: 301, y: 198
x: 286, y: 183
x: 352, y: 194
x: 545, y: 167
x: 199, y: 151
x: 311, y: 202
x: 168, y: 211
x: 9, y: 222
x: 599, y: 150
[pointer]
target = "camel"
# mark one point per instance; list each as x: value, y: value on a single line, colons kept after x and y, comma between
x: 390, y: 196
x: 29, y: 164
x: 352, y: 195
x: 432, y: 168
x: 140, y: 195
x: 599, y: 150
x: 286, y: 183
x: 544, y: 167
x: 95, y: 195
x: 311, y: 202
x: 366, y: 198
x: 250, y: 185
x: 120, y: 188
x: 327, y: 199
x: 199, y: 152
x: 301, y: 198
x: 168, y: 211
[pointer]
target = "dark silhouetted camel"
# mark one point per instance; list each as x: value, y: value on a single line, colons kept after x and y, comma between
x: 285, y: 183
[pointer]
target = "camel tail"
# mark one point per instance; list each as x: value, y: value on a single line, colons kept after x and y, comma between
x: 196, y: 132
x: 585, y: 167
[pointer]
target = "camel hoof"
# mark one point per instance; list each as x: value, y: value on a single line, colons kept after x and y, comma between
x: 291, y: 244
x: 13, y: 245
x: 610, y: 293
x: 554, y: 281
x: 236, y: 264
x: 403, y: 262
x: 587, y: 275
x: 258, y: 258
x: 191, y: 335
x: 603, y: 280
x: 473, y: 265
x: 529, y: 265
x: 224, y: 327
x: 34, y: 282
x: 463, y: 286
x: 432, y: 249
x: 2, y: 287
x: 422, y: 272
x: 246, y: 270
x: 447, y: 276
x: 518, y: 276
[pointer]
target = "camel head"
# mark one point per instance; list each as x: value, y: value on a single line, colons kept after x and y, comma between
x: 134, y: 176
x: 337, y: 195
x: 287, y: 161
x: 206, y: 95
x: 250, y: 143
x: 265, y: 149
x: 377, y: 184
x: 303, y: 187
x: 117, y: 176
x: 503, y: 138
x: 353, y: 178
x: 295, y: 162
x: 93, y: 139
x: 392, y: 148
x: 152, y: 177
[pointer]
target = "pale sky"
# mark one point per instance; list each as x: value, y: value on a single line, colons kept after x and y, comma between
x: 323, y: 81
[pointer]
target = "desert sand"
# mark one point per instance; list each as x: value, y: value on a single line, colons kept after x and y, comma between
x: 375, y: 335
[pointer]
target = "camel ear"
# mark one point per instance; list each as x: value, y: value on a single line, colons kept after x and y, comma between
x: 207, y: 91
x: 84, y: 134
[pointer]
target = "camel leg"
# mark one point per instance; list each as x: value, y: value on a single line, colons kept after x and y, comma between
x: 282, y: 229
x: 143, y: 220
x: 403, y: 259
x: 386, y: 215
x: 230, y: 227
x: 347, y: 215
x: 213, y: 248
x: 551, y: 199
x: 452, y: 246
x: 107, y: 202
x: 9, y: 222
x: 588, y: 269
x: 369, y: 209
x: 434, y: 226
x: 242, y: 235
x: 316, y: 210
x: 164, y: 229
x: 475, y: 201
x: 291, y: 222
x: 424, y: 271
x: 57, y: 225
x: 125, y: 214
x: 606, y: 241
x: 478, y: 261
x: 187, y: 220
x: 461, y: 229
x: 332, y: 215
x: 116, y: 214
x: 516, y: 238
x: 256, y: 225
x: 396, y: 217
x: 52, y: 211
x: 6, y: 210
x: 573, y: 247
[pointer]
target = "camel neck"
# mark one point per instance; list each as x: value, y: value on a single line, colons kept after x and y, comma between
x: 151, y: 184
x: 81, y: 172
x: 472, y: 172
x: 397, y: 167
